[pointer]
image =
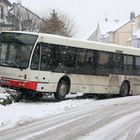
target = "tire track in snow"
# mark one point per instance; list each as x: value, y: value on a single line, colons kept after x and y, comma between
x: 125, y: 128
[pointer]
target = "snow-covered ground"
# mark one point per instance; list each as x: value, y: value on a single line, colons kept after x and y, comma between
x: 124, y: 127
x: 20, y: 113
x: 110, y: 119
x: 3, y: 94
x: 23, y: 112
x: 128, y: 125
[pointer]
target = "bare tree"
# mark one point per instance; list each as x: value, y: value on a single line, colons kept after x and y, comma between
x: 59, y: 24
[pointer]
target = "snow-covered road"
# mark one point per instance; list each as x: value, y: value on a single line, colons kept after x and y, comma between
x: 110, y: 119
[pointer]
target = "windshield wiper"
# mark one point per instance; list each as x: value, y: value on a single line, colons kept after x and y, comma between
x: 10, y: 64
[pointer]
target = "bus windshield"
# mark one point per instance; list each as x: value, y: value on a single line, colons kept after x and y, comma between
x: 15, y: 49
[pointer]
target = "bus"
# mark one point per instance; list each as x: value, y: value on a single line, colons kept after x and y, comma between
x: 38, y: 63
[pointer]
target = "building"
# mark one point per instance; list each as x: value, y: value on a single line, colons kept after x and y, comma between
x: 5, y: 23
x: 116, y: 32
x: 23, y: 19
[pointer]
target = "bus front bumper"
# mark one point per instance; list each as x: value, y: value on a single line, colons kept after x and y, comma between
x: 15, y: 83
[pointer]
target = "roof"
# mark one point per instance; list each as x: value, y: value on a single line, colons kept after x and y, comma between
x: 7, y: 1
x: 93, y: 34
x: 18, y: 4
x: 107, y: 26
x: 111, y: 26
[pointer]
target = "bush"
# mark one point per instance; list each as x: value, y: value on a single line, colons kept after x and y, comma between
x: 6, y: 101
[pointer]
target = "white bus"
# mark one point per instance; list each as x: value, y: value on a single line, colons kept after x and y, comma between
x: 41, y: 63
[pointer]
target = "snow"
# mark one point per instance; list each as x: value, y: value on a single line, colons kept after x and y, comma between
x: 110, y: 26
x: 18, y: 114
x: 113, y: 128
x: 3, y: 94
x: 107, y: 26
x: 24, y: 112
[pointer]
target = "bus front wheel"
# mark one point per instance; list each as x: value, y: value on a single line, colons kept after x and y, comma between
x: 62, y: 90
x: 125, y: 89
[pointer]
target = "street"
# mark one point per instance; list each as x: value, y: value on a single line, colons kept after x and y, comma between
x: 109, y: 119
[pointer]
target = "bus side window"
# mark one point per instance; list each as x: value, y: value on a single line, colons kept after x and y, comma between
x: 80, y: 62
x: 128, y: 64
x: 72, y: 58
x: 35, y: 58
x: 103, y: 64
x: 55, y: 56
x: 63, y: 58
x: 47, y: 60
x: 90, y: 61
x: 89, y: 57
x: 116, y: 66
x: 137, y: 65
x: 69, y: 59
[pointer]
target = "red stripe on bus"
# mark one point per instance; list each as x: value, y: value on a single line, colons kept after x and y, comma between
x: 19, y: 84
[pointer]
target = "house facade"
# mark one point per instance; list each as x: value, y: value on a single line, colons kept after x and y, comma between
x: 23, y: 19
x: 116, y: 32
x: 5, y: 23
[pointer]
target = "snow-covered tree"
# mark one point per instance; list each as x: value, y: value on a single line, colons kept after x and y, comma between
x: 59, y: 24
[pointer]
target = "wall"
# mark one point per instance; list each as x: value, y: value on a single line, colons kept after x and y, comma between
x: 123, y: 34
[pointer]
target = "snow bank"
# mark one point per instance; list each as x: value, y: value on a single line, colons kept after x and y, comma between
x: 3, y: 94
x: 20, y: 113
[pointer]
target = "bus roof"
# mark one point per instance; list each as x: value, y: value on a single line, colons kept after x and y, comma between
x: 55, y: 39
x: 74, y: 42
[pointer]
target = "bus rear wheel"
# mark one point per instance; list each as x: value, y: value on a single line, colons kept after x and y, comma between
x: 62, y: 90
x: 124, y: 89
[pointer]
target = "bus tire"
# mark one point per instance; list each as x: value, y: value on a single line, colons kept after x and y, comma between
x: 124, y: 89
x: 62, y: 90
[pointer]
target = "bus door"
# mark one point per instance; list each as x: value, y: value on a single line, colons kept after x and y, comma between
x: 43, y: 60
